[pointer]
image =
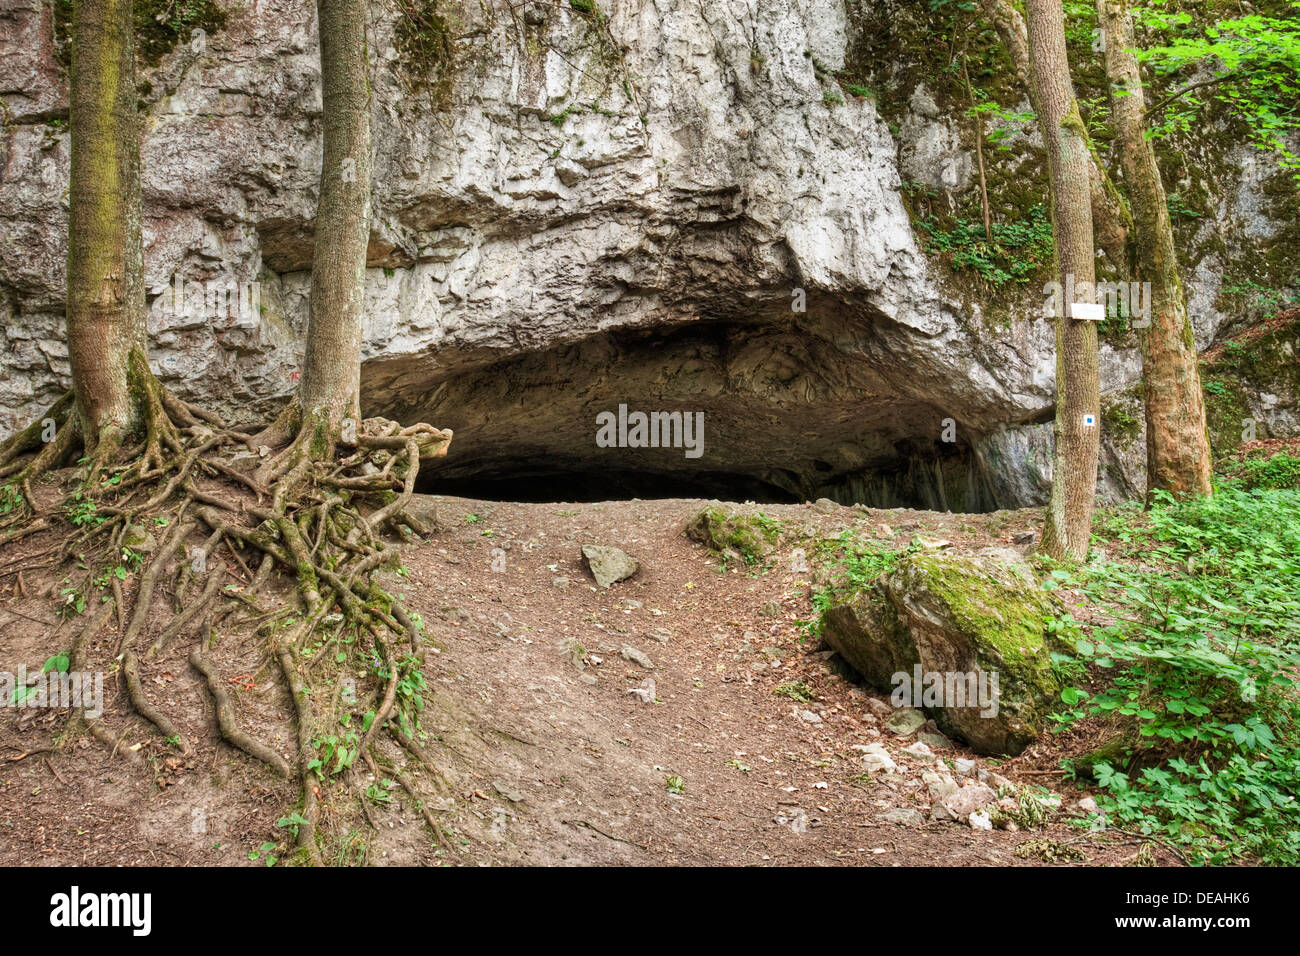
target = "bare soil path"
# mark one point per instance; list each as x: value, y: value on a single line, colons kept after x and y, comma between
x: 549, y: 757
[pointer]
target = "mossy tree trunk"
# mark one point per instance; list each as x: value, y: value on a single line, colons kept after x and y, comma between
x: 330, y: 389
x: 1110, y: 216
x: 107, y: 336
x: 1074, y: 479
x: 1178, y: 446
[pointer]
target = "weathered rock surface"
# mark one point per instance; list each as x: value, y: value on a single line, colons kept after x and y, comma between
x: 975, y: 621
x: 656, y: 198
x: 608, y: 565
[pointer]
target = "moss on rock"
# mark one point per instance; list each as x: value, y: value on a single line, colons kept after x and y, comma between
x: 749, y: 536
x: 159, y: 26
x: 977, y: 618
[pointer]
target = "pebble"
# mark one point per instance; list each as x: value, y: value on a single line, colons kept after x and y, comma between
x: 940, y: 785
x: 920, y: 751
x: 875, y: 758
x: 903, y: 817
x: 905, y: 722
x: 636, y: 657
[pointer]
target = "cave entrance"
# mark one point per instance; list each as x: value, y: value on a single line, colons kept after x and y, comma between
x: 787, y: 415
x: 607, y: 485
x: 950, y: 480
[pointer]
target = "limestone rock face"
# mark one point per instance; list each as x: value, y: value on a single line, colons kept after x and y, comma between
x: 961, y: 636
x: 663, y: 208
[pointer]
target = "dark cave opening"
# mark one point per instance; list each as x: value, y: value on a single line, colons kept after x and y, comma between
x: 783, y: 414
x: 947, y: 479
x: 600, y: 484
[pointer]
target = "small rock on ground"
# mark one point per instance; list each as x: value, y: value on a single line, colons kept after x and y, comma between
x: 608, y: 565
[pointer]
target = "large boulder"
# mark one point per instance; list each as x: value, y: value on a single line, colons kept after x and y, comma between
x: 865, y: 629
x: 960, y: 636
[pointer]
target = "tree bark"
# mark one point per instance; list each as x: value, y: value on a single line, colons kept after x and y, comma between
x: 330, y: 388
x: 107, y: 335
x: 1178, y: 447
x: 1110, y: 217
x: 1074, y: 480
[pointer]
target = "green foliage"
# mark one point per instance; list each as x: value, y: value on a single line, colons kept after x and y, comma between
x: 1254, y: 62
x: 336, y: 754
x: 853, y: 564
x: 411, y: 686
x: 58, y: 664
x: 1196, y: 661
x: 424, y: 37
x: 797, y: 691
x: 160, y: 25
x: 1017, y: 251
x: 265, y: 853
x: 1015, y: 120
x: 1257, y: 298
x: 74, y: 601
x: 291, y: 823
x: 1279, y: 471
x: 82, y: 511
x: 378, y: 793
x: 10, y: 498
x: 557, y: 119
x: 1178, y: 208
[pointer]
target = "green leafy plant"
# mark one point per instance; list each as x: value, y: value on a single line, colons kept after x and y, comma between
x: 1016, y: 252
x: 1253, y: 67
x: 264, y: 853
x: 1194, y: 667
x: 378, y: 793
x: 1278, y: 471
x: 853, y: 564
x: 797, y: 691
x: 82, y: 511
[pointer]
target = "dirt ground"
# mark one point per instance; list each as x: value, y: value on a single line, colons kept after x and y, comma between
x: 547, y: 758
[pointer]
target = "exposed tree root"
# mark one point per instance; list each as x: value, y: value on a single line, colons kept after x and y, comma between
x: 317, y: 516
x: 226, y: 718
x: 131, y: 671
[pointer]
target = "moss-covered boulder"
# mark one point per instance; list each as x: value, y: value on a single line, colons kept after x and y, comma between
x: 962, y: 637
x: 865, y: 629
x: 744, y: 536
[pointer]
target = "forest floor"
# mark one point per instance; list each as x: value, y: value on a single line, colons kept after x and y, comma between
x: 546, y: 756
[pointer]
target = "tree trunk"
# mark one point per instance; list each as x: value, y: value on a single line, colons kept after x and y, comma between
x: 330, y: 389
x: 107, y: 336
x: 1074, y: 481
x: 1178, y: 447
x: 1110, y: 217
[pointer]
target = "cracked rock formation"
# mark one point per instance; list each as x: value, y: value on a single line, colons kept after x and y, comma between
x: 663, y: 209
